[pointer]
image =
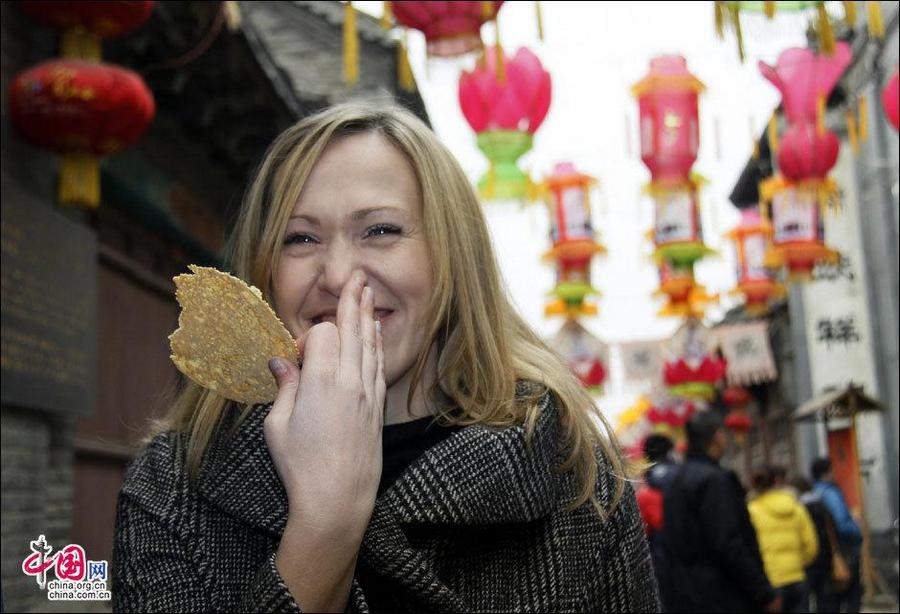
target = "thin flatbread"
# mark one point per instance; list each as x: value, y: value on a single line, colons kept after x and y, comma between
x: 226, y: 335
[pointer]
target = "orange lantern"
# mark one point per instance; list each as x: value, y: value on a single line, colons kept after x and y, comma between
x: 756, y: 282
x: 574, y: 245
x: 684, y: 296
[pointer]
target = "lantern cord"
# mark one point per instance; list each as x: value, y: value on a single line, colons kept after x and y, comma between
x: 351, y: 45
x: 199, y: 49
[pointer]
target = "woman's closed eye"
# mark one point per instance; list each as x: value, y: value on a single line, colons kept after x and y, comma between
x: 299, y: 238
x: 380, y: 230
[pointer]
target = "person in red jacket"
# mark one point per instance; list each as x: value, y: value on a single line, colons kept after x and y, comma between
x: 657, y: 451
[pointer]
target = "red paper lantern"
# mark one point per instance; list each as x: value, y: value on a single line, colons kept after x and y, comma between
x: 735, y: 396
x: 82, y: 110
x: 890, y: 98
x: 739, y: 423
x: 669, y: 125
x: 104, y: 19
x: 450, y: 28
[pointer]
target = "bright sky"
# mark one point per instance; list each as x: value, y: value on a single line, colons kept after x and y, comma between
x: 594, y: 52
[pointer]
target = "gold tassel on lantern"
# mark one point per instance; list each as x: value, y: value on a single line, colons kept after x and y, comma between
x: 720, y: 19
x: 820, y: 114
x: 772, y: 133
x: 540, y: 20
x: 386, y: 21
x: 862, y: 110
x: 769, y: 9
x: 876, y: 22
x: 754, y: 140
x: 826, y: 33
x: 404, y: 70
x: 351, y: 45
x: 487, y: 11
x: 736, y: 24
x: 851, y: 131
x: 79, y: 180
x: 850, y: 13
x: 79, y: 44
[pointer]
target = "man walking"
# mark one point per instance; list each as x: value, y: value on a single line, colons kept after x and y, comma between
x: 710, y: 544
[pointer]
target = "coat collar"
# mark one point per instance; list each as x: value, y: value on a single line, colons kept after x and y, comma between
x: 478, y: 475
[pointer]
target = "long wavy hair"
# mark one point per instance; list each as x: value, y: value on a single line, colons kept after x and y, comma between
x: 484, y: 347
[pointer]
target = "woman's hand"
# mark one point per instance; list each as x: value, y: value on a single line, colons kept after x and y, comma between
x: 324, y: 429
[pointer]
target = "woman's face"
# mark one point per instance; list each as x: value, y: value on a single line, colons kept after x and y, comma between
x: 359, y: 210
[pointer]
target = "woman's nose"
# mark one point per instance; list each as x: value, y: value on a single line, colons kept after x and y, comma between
x: 338, y: 265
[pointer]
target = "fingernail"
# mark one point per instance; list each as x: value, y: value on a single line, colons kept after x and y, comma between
x: 377, y: 327
x: 276, y: 366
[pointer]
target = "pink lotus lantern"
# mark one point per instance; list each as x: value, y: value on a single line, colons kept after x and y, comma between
x: 890, y: 98
x: 505, y: 113
x: 670, y: 133
x: 756, y: 282
x: 450, y: 28
x: 805, y: 80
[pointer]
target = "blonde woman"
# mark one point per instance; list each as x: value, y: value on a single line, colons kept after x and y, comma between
x: 429, y: 454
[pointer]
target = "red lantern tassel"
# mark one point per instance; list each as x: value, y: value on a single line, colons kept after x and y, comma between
x: 79, y: 180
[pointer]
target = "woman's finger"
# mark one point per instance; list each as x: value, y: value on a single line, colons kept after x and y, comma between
x: 348, y: 324
x: 380, y: 385
x: 369, y: 364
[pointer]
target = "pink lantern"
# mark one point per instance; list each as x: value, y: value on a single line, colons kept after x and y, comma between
x: 803, y: 77
x: 450, y: 28
x: 890, y: 97
x: 670, y: 134
x: 505, y: 112
x: 807, y: 152
x: 805, y: 80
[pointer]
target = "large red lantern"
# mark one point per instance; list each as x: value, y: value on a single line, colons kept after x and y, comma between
x: 890, y: 98
x: 82, y: 110
x: 669, y: 125
x: 450, y: 28
x: 505, y: 111
x: 756, y: 282
x: 574, y: 244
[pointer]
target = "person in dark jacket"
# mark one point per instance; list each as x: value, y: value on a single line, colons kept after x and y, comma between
x: 848, y: 534
x: 710, y: 544
x: 818, y: 573
x: 657, y: 450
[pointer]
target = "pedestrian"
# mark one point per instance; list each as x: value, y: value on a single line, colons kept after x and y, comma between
x: 432, y: 454
x: 710, y: 544
x: 818, y: 573
x: 847, y: 598
x: 657, y: 451
x: 786, y: 535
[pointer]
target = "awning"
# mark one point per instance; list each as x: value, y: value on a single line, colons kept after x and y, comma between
x: 841, y: 403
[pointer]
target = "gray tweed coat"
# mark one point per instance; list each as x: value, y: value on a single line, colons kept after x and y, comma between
x: 476, y: 524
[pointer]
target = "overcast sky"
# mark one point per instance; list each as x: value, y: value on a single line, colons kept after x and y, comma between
x: 594, y: 52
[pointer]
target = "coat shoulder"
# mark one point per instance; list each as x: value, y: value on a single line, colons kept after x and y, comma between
x: 156, y: 479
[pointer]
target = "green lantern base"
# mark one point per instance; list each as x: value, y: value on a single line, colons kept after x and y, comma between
x: 504, y: 180
x: 694, y: 390
x: 682, y: 255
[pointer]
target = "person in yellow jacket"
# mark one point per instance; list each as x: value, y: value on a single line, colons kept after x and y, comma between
x: 787, y: 538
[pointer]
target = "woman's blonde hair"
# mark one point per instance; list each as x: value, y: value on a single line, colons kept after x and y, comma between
x: 483, y: 345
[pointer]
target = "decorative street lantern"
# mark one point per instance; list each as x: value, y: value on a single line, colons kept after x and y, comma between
x: 585, y: 354
x: 574, y: 245
x: 685, y: 297
x: 677, y: 233
x: 669, y: 124
x: 756, y: 282
x: 694, y: 367
x: 738, y: 418
x: 450, y: 28
x: 505, y: 113
x: 798, y: 231
x: 890, y: 98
